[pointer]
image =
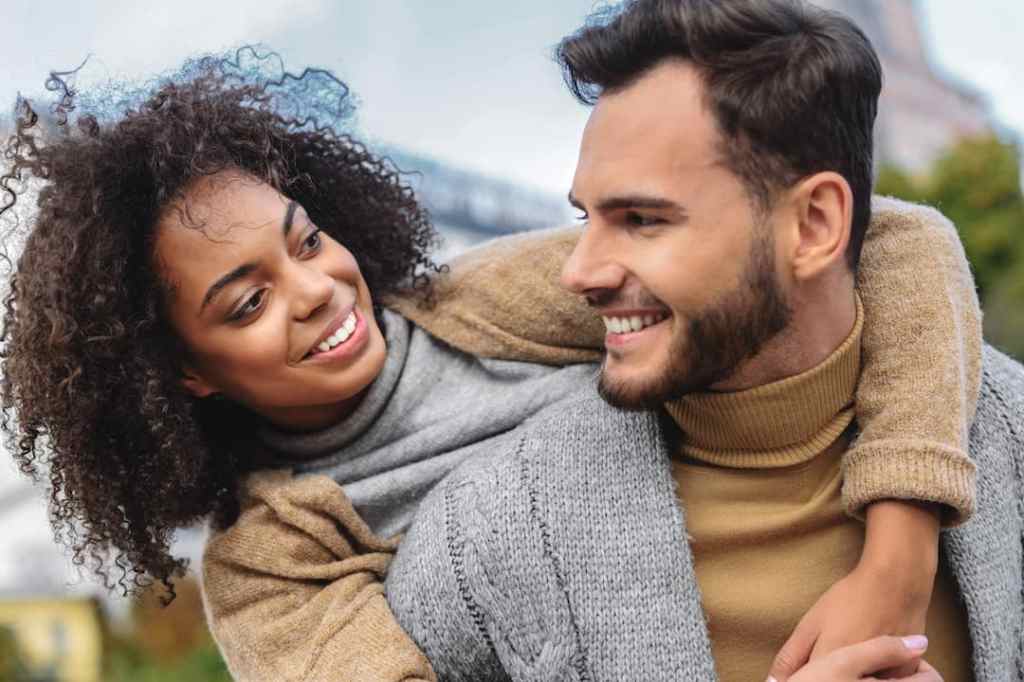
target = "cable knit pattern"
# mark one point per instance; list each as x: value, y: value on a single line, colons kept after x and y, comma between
x: 564, y: 556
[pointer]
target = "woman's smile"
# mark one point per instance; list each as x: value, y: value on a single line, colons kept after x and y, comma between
x: 275, y: 313
x: 345, y: 337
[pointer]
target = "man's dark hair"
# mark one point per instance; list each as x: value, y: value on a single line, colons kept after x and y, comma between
x: 793, y: 88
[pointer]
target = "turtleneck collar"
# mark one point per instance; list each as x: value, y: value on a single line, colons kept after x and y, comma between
x: 313, y: 444
x: 779, y: 424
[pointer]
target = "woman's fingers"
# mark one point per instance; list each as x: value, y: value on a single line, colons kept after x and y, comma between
x: 880, y: 653
x: 861, y: 661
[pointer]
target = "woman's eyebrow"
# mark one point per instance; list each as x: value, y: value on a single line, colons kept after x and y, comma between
x: 236, y: 274
x: 289, y: 217
x: 246, y: 268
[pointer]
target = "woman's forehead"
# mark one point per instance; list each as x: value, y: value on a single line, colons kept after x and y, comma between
x: 218, y: 224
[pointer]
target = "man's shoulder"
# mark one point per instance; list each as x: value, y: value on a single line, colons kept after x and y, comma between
x: 1002, y: 371
x: 1003, y: 386
x: 998, y: 426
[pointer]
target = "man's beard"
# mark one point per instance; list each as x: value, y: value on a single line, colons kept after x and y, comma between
x: 718, y: 339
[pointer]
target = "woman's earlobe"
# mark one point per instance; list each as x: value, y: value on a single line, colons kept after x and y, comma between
x: 196, y: 385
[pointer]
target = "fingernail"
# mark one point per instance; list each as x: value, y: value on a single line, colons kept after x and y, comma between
x: 771, y: 679
x: 916, y: 642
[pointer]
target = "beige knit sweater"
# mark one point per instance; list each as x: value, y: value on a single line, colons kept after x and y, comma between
x: 293, y: 588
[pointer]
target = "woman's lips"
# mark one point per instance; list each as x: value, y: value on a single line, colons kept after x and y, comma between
x: 355, y: 341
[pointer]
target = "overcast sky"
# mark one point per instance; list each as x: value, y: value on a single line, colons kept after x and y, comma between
x: 467, y: 81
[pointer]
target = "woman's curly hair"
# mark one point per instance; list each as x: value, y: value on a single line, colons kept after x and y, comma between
x: 91, y: 390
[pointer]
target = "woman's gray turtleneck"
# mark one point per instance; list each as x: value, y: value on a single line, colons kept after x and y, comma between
x: 430, y: 408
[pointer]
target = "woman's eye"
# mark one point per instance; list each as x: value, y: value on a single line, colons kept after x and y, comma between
x: 250, y: 306
x: 312, y: 243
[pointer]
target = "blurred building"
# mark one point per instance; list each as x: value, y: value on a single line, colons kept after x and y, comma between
x: 467, y: 208
x: 922, y: 111
x: 58, y: 640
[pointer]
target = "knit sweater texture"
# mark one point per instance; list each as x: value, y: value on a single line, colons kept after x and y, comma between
x: 566, y: 557
x: 293, y: 590
x: 758, y: 473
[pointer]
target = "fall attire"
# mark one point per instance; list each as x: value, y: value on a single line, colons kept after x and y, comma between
x: 758, y: 473
x: 292, y: 588
x: 567, y: 555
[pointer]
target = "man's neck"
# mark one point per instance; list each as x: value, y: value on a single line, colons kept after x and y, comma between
x: 820, y: 323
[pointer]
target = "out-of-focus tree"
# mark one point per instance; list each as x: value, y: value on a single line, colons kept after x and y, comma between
x: 12, y: 668
x: 166, y: 644
x: 977, y: 185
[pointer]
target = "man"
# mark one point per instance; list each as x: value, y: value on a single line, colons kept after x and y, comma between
x: 725, y: 178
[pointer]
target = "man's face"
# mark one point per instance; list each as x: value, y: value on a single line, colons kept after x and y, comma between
x: 675, y: 255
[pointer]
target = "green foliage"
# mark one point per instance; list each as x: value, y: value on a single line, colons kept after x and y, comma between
x: 129, y: 663
x: 977, y: 184
x: 12, y: 668
x: 166, y: 644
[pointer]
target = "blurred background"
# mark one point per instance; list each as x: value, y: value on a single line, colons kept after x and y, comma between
x: 465, y: 93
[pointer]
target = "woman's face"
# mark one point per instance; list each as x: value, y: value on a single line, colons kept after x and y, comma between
x: 274, y: 314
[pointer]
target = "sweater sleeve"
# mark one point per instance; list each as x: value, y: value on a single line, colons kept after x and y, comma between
x: 921, y: 344
x: 489, y: 303
x: 921, y: 371
x: 293, y: 590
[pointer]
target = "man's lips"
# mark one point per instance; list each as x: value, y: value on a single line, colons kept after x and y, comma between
x: 629, y: 321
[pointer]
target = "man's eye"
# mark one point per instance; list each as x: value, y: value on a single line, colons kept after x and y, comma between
x: 640, y: 220
x: 582, y: 218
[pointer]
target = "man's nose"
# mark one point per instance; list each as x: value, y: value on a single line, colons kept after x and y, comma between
x: 592, y: 266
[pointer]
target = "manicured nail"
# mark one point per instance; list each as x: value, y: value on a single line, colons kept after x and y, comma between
x: 916, y: 642
x: 771, y: 679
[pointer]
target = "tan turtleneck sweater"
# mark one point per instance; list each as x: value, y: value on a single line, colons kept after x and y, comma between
x: 758, y: 472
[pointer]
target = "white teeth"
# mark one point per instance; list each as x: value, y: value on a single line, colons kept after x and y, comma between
x: 634, y: 323
x: 340, y: 336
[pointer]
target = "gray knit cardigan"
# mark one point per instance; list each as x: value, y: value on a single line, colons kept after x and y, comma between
x: 564, y: 556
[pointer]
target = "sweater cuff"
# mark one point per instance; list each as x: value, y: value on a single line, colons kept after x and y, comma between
x: 906, y: 469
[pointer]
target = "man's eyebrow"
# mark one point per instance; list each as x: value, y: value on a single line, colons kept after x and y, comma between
x: 638, y: 201
x: 236, y: 274
x: 631, y: 201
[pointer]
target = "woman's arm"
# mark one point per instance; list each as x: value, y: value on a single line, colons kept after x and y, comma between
x: 921, y: 365
x: 921, y: 343
x: 294, y: 589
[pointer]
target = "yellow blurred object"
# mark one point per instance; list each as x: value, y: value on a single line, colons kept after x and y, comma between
x: 60, y: 638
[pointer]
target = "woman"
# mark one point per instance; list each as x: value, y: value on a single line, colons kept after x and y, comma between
x: 199, y: 296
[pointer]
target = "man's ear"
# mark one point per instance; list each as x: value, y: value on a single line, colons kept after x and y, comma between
x: 824, y: 212
x: 195, y: 384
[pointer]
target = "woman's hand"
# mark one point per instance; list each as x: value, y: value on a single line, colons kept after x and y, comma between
x: 888, y: 593
x: 862, y: 661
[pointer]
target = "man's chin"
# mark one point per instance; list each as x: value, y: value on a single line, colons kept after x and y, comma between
x: 633, y: 393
